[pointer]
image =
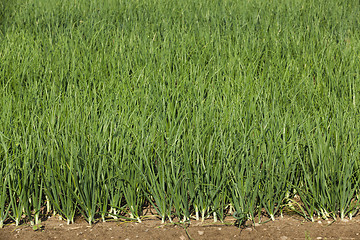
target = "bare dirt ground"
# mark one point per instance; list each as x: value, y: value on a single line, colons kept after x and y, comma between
x: 288, y: 227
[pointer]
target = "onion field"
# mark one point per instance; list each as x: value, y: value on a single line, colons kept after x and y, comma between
x: 197, y: 109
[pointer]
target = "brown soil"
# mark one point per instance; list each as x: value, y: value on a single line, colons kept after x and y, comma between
x: 282, y: 228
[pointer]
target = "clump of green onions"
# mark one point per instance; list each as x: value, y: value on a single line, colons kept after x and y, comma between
x: 195, y: 109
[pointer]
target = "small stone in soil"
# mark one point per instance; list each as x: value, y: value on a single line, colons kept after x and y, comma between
x: 201, y: 233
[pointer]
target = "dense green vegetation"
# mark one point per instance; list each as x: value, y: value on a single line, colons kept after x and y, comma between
x: 198, y: 108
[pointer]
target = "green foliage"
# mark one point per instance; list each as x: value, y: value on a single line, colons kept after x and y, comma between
x: 196, y: 108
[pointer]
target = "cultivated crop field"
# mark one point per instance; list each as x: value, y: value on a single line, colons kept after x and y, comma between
x: 196, y: 109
